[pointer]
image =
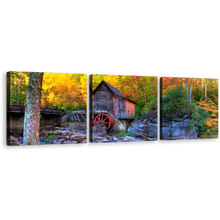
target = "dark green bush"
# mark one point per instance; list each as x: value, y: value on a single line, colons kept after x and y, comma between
x: 198, y: 116
x: 175, y: 103
x: 139, y: 111
x: 198, y: 94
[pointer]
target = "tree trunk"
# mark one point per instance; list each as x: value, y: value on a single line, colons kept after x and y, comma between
x: 190, y: 94
x: 205, y: 89
x: 32, y: 109
x: 16, y: 91
x: 181, y: 82
x: 145, y: 95
x: 187, y: 86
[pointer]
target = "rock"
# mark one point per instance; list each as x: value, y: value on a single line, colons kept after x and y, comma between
x: 130, y: 139
x: 85, y: 141
x: 110, y: 139
x: 78, y: 127
x: 152, y: 139
x: 151, y: 130
x: 44, y: 132
x: 129, y: 129
x: 99, y: 128
x: 58, y: 136
x: 47, y: 127
x: 139, y: 130
x: 50, y: 132
x: 154, y: 120
x: 71, y: 142
x: 12, y: 141
x: 97, y: 134
x: 176, y: 130
x: 99, y: 139
x: 61, y: 132
x: 78, y: 137
x: 104, y: 130
x: 67, y: 137
x: 148, y: 115
x: 62, y: 139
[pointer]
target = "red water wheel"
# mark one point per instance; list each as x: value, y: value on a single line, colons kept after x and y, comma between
x: 106, y: 119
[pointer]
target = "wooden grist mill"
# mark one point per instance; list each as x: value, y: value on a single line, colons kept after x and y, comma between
x: 110, y: 107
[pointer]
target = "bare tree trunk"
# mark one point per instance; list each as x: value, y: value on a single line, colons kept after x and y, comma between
x: 145, y: 95
x: 32, y: 109
x: 16, y: 90
x: 205, y: 89
x: 187, y: 86
x: 181, y: 82
x: 190, y: 93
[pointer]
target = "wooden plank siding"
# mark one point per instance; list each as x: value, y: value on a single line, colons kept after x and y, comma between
x: 130, y: 108
x: 103, y: 99
x: 116, y: 104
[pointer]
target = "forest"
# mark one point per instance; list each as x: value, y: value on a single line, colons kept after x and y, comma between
x: 139, y: 88
x: 198, y: 97
x: 59, y: 90
x: 69, y: 91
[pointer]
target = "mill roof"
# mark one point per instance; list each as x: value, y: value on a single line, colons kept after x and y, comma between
x: 113, y: 89
x: 116, y: 91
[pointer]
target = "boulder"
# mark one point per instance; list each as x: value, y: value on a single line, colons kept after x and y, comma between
x: 175, y: 129
x: 12, y: 141
x: 48, y: 127
x: 85, y: 141
x: 58, y: 136
x: 148, y: 116
x: 129, y: 129
x: 79, y: 137
x: 152, y: 139
x: 50, y: 132
x: 104, y: 130
x: 99, y: 128
x: 131, y: 139
x: 94, y: 129
x: 71, y: 142
x: 101, y: 140
x: 57, y: 142
x: 144, y: 129
x: 151, y: 130
x: 61, y: 132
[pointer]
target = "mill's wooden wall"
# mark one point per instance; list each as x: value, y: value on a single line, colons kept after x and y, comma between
x: 120, y: 106
x: 103, y: 99
x: 130, y: 108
